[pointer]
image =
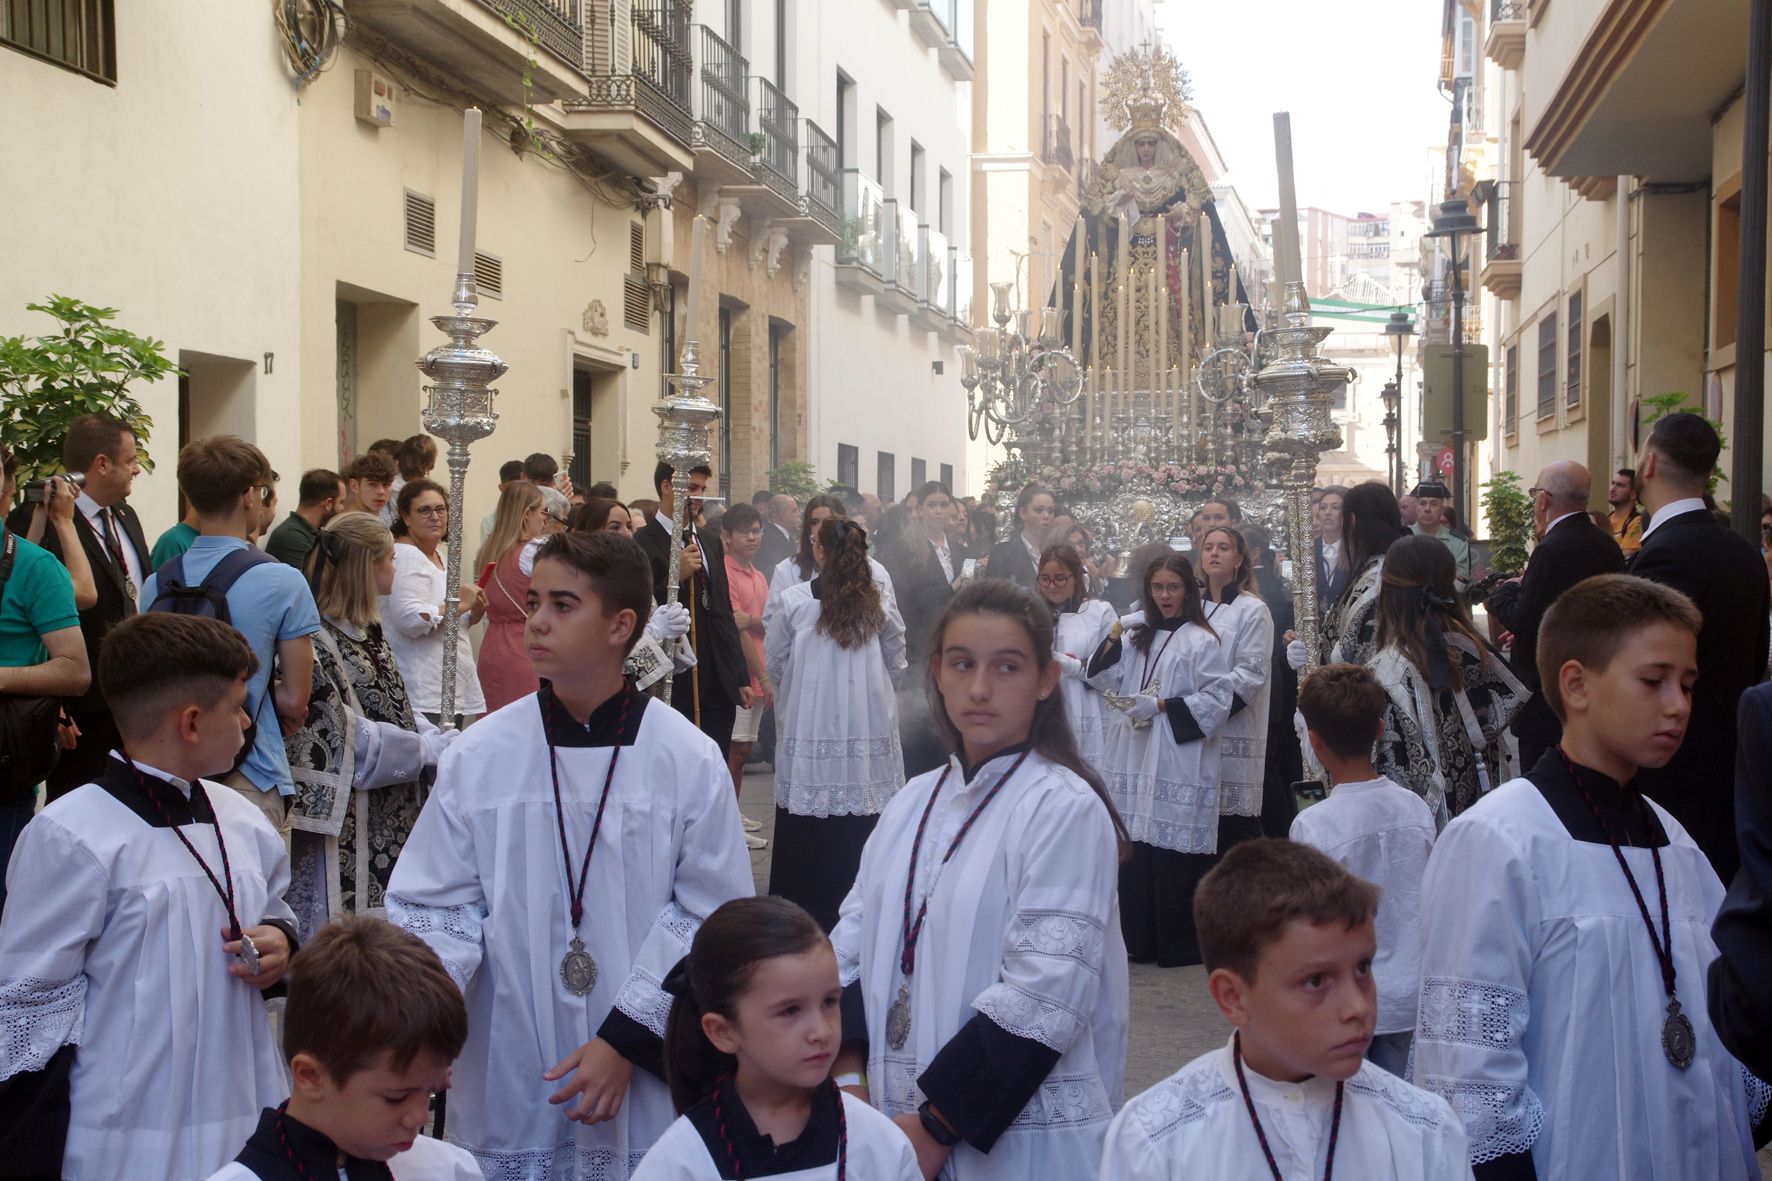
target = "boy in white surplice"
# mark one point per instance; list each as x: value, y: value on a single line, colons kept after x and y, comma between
x: 1288, y: 939
x: 1566, y: 928
x: 575, y: 840
x: 145, y: 914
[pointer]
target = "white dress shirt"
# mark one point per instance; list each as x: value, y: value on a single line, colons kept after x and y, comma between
x: 944, y: 555
x: 113, y: 537
x: 1690, y: 504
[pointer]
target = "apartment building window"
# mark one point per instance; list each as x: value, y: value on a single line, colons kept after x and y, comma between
x: 777, y: 339
x: 886, y: 477
x: 845, y: 118
x: 1726, y: 242
x: 1510, y: 403
x: 1572, y: 369
x: 917, y: 168
x: 947, y: 478
x: 580, y: 471
x: 919, y: 473
x: 1045, y: 81
x: 849, y: 465
x: 944, y: 201
x: 1064, y: 88
x: 883, y: 147
x: 1547, y: 365
x: 78, y: 34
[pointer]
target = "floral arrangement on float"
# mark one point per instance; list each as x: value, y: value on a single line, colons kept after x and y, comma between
x: 1098, y: 481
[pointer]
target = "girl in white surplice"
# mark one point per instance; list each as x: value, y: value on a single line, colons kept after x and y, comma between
x: 359, y: 757
x: 982, y: 932
x: 1235, y: 610
x: 1080, y: 625
x: 753, y: 1029
x: 835, y: 650
x: 1171, y: 674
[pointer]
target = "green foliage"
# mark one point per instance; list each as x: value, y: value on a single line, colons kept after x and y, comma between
x: 795, y: 478
x: 46, y: 382
x: 757, y: 143
x: 1675, y: 400
x: 1509, y: 510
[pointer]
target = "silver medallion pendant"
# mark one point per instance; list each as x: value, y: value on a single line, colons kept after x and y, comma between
x: 1678, y: 1041
x: 578, y: 971
x: 248, y: 954
x: 898, y: 1017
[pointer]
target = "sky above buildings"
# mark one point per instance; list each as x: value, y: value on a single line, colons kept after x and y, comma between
x: 1359, y: 78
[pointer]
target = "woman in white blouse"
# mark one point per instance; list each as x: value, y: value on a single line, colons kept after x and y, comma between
x: 413, y: 611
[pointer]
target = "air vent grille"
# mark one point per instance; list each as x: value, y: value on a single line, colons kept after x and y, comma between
x: 636, y: 303
x: 489, y: 274
x: 421, y: 224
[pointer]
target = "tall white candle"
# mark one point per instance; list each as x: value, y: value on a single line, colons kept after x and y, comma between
x: 470, y: 188
x: 1288, y: 264
x: 1125, y: 274
x: 698, y: 232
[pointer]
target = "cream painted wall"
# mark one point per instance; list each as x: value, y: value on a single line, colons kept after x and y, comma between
x: 870, y: 378
x: 173, y: 198
x: 561, y: 248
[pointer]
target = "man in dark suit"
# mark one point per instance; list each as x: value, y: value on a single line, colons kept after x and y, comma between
x: 924, y: 563
x: 102, y: 449
x: 711, y: 693
x: 1018, y: 559
x: 1570, y: 548
x: 1330, y: 547
x: 781, y: 537
x: 1740, y: 1002
x: 1684, y: 547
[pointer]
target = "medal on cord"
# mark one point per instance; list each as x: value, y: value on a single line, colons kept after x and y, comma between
x: 248, y: 953
x: 1678, y: 1041
x: 578, y: 971
x: 898, y: 1017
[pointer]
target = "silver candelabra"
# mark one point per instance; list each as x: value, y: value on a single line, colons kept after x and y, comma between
x: 459, y: 411
x: 683, y: 422
x: 1018, y: 377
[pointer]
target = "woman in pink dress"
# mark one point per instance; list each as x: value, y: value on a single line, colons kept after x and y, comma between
x: 505, y: 670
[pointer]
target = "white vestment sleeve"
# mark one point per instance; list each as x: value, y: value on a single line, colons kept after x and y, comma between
x: 1053, y: 949
x: 1477, y: 953
x: 1251, y: 652
x: 1128, y: 1154
x: 58, y: 893
x: 386, y: 753
x: 1210, y: 702
x: 435, y: 891
x: 892, y: 641
x: 713, y: 867
x: 846, y: 936
x: 778, y: 646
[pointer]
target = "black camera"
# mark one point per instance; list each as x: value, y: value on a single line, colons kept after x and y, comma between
x: 36, y: 489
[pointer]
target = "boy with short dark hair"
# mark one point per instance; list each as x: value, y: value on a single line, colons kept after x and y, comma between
x: 1379, y: 830
x: 574, y: 842
x: 1566, y: 927
x: 1287, y: 937
x: 372, y: 1026
x: 146, y: 917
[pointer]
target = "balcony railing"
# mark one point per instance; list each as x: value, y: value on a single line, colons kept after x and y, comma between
x: 861, y: 238
x: 1089, y: 14
x: 1058, y: 143
x: 645, y: 66
x: 723, y: 113
x: 1507, y: 10
x: 823, y: 181
x: 778, y: 123
x: 558, y: 25
x: 1502, y: 220
x: 938, y: 275
x: 899, y: 258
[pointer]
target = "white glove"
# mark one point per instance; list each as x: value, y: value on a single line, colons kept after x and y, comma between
x: 668, y: 622
x: 1295, y: 654
x: 436, y: 742
x: 1069, y: 665
x: 1143, y: 708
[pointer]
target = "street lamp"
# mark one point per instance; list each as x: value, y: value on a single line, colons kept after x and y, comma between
x: 1399, y: 330
x: 1455, y: 222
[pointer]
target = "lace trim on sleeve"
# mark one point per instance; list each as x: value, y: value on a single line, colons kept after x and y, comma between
x: 1059, y: 934
x: 1470, y: 1013
x: 1499, y: 1118
x: 37, y: 1018
x: 461, y: 923
x: 642, y: 996
x: 1759, y: 1097
x: 1025, y: 1015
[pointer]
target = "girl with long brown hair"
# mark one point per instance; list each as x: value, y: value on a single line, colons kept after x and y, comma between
x: 503, y: 663
x: 981, y: 929
x: 1236, y: 610
x: 834, y: 650
x: 1080, y: 624
x: 1169, y: 680
x: 1450, y: 696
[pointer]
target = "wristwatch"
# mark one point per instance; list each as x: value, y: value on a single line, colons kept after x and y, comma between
x: 938, y: 1131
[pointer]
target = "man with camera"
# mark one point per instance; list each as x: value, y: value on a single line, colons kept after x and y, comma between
x: 42, y: 658
x: 100, y: 451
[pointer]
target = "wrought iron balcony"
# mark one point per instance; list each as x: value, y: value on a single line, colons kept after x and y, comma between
x: 823, y: 182
x: 484, y: 46
x: 557, y: 25
x: 637, y: 109
x: 722, y: 109
x: 1057, y: 153
x: 1089, y: 14
x: 1506, y: 42
x: 1501, y: 222
x: 778, y: 128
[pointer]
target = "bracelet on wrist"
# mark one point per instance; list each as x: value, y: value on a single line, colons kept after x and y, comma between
x: 932, y: 1123
x: 853, y: 1078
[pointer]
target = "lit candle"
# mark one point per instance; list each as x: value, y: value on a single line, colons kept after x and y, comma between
x: 1208, y: 295
x: 1095, y: 358
x: 1077, y: 240
x: 1288, y: 267
x: 470, y: 188
x: 1186, y: 365
x: 698, y: 231
x: 1124, y: 272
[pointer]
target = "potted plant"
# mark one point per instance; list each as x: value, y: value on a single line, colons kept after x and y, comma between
x: 1510, y: 522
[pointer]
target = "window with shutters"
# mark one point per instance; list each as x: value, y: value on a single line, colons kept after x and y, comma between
x: 421, y: 224
x: 886, y: 477
x: 947, y: 478
x: 78, y: 34
x: 919, y: 473
x: 1510, y: 405
x: 1547, y: 365
x: 636, y: 292
x: 849, y: 465
x: 1572, y: 365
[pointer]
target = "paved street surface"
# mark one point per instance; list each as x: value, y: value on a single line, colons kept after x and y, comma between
x: 1173, y: 1018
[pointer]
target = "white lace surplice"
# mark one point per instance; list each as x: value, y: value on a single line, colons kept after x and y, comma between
x: 1245, y: 628
x: 482, y: 881
x: 1079, y: 633
x: 787, y: 574
x: 1542, y: 1002
x: 878, y: 1151
x: 1023, y: 928
x: 1195, y: 1124
x: 112, y: 943
x: 837, y: 747
x: 1167, y: 792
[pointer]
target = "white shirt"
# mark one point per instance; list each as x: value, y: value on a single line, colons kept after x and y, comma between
x: 1690, y: 504
x: 113, y: 537
x: 412, y: 618
x: 1383, y: 834
x: 1561, y: 519
x: 1331, y: 554
x: 426, y: 1160
x: 1195, y: 1124
x: 944, y: 556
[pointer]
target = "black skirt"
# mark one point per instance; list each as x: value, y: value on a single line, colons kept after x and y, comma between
x: 1157, y: 904
x: 815, y: 859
